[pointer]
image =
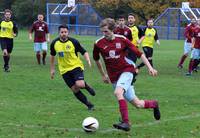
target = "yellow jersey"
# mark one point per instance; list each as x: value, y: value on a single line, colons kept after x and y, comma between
x: 150, y: 36
x: 68, y: 58
x: 136, y: 34
x: 7, y: 29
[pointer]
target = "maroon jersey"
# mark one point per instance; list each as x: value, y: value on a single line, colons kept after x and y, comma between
x: 40, y: 29
x: 114, y: 53
x: 196, y: 35
x: 189, y: 32
x: 124, y: 31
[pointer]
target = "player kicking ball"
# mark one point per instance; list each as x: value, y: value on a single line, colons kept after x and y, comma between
x: 120, y: 72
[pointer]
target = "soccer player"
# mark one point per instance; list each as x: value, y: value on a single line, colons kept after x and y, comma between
x: 69, y: 63
x: 136, y: 33
x: 41, y: 31
x: 195, y: 54
x: 112, y: 48
x: 8, y: 30
x: 188, y: 41
x: 150, y: 36
x: 122, y: 29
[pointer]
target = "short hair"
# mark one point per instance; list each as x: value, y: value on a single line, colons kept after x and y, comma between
x: 108, y: 22
x: 121, y: 16
x: 62, y: 26
x: 131, y: 14
x: 7, y: 10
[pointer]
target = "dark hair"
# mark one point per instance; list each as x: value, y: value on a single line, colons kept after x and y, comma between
x: 7, y: 10
x: 62, y: 26
x: 121, y: 16
x: 131, y: 14
x: 108, y: 22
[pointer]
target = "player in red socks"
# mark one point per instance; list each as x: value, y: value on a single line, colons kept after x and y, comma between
x: 120, y: 70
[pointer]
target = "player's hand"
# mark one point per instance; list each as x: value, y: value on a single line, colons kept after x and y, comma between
x: 89, y: 63
x: 105, y: 79
x: 153, y: 72
x: 52, y: 73
x: 48, y: 39
x: 30, y: 38
x: 14, y: 34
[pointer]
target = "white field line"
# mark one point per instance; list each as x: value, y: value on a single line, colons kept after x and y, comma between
x: 102, y: 130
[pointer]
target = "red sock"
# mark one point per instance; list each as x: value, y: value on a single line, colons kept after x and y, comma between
x: 182, y: 59
x: 191, y: 65
x: 123, y: 110
x: 38, y: 58
x: 150, y: 104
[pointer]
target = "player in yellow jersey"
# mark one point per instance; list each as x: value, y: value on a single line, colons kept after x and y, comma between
x: 8, y: 30
x: 69, y: 63
x: 136, y: 32
x: 150, y: 36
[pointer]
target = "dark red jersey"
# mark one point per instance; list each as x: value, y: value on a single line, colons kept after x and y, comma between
x: 189, y: 32
x: 124, y: 31
x: 114, y: 53
x: 40, y: 29
x: 196, y: 35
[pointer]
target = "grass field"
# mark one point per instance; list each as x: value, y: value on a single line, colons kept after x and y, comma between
x: 34, y: 106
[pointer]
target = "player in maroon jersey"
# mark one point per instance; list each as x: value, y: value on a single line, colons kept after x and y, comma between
x: 122, y: 29
x: 120, y: 72
x: 195, y: 55
x: 188, y: 41
x: 41, y: 31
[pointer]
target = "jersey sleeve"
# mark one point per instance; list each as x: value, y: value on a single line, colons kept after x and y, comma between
x: 96, y: 52
x: 15, y: 28
x: 52, y: 48
x: 132, y: 48
x: 140, y: 32
x: 156, y: 35
x: 46, y: 28
x: 32, y: 28
x: 77, y: 45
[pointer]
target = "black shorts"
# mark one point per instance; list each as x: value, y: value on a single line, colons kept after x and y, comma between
x: 72, y: 76
x: 148, y: 51
x: 6, y: 43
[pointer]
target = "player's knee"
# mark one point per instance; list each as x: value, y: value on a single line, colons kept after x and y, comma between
x: 80, y: 84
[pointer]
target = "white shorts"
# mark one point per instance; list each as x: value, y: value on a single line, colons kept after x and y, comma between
x: 187, y: 47
x: 124, y: 82
x: 195, y: 53
x: 40, y: 46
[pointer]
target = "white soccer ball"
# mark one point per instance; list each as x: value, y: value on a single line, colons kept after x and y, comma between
x: 90, y: 124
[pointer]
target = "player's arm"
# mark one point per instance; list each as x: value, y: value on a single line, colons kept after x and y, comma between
x: 156, y: 37
x: 52, y: 59
x: 96, y: 57
x: 47, y: 32
x: 15, y: 29
x: 141, y: 35
x: 79, y: 48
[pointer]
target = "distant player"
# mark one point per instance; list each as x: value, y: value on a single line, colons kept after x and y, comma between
x: 136, y: 32
x: 112, y: 48
x: 188, y: 41
x: 122, y: 29
x: 195, y: 54
x: 69, y: 63
x: 41, y: 32
x: 149, y: 37
x: 8, y: 30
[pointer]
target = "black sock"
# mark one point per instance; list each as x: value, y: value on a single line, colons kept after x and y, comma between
x: 151, y: 62
x: 89, y: 89
x: 141, y: 65
x: 81, y: 97
x: 6, y: 60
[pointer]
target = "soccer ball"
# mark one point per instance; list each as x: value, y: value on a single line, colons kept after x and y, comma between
x: 90, y: 124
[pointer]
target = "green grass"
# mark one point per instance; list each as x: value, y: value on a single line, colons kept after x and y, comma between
x: 34, y: 106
